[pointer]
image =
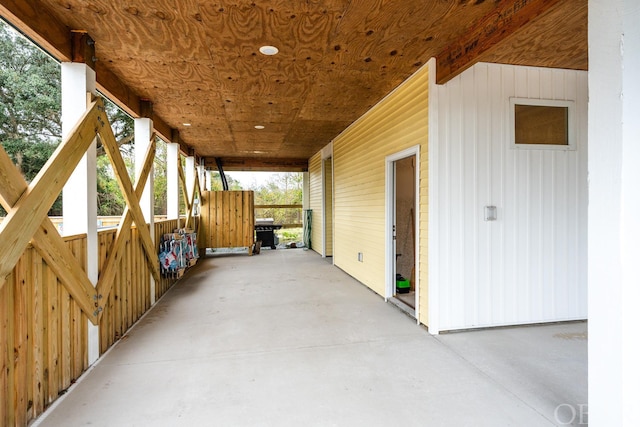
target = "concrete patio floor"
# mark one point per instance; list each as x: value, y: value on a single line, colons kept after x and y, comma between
x: 286, y: 339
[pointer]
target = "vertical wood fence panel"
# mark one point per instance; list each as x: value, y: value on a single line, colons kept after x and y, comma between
x: 227, y: 219
x: 43, y: 337
x: 43, y: 332
x: 129, y: 298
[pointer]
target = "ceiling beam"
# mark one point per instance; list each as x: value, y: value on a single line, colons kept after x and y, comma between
x: 184, y: 148
x: 249, y: 164
x: 487, y: 33
x: 57, y: 40
x: 42, y: 28
x: 113, y: 88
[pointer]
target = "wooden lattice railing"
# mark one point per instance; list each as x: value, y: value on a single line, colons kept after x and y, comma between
x: 27, y: 207
x: 43, y: 332
x: 46, y: 298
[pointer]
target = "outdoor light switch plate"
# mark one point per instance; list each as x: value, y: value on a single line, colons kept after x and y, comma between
x: 490, y: 213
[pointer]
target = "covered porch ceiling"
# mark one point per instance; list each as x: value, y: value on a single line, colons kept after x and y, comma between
x: 194, y: 66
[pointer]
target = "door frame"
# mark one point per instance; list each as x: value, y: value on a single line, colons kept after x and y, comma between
x: 389, y: 220
x: 323, y: 177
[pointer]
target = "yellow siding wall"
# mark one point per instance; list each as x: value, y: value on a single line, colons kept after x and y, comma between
x: 315, y: 201
x: 398, y: 122
x: 328, y: 202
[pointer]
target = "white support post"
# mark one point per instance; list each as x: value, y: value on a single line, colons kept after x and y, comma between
x: 201, y: 175
x: 143, y: 130
x: 173, y: 181
x: 80, y: 193
x: 207, y: 180
x: 306, y: 192
x: 201, y: 183
x: 614, y: 209
x: 190, y: 174
x: 190, y: 178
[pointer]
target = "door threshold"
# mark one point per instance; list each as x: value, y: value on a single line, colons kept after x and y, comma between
x: 403, y: 307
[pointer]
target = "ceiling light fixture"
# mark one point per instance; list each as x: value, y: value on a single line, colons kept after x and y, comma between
x: 186, y: 124
x: 269, y: 50
x: 259, y: 127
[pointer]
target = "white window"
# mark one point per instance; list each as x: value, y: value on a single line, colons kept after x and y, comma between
x: 542, y: 124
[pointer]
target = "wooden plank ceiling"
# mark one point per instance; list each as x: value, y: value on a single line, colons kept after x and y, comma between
x: 197, y: 61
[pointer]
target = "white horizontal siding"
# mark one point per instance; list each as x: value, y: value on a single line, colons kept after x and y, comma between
x: 530, y: 265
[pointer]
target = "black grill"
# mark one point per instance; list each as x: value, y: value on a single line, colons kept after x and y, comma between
x: 265, y: 231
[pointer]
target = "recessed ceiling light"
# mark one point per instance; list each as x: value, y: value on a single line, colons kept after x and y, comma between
x: 269, y: 50
x: 259, y: 127
x: 186, y: 124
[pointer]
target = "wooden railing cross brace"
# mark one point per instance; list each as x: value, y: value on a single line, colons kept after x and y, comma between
x: 131, y: 198
x: 109, y: 269
x: 27, y: 207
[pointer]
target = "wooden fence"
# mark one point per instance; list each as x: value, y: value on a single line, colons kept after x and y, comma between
x: 43, y: 332
x: 46, y: 297
x: 227, y: 219
x: 130, y: 295
x: 43, y: 337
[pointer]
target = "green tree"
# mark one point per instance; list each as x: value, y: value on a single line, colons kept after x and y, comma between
x: 29, y: 91
x: 30, y: 126
x: 29, y: 105
x: 110, y: 200
x: 280, y: 189
x: 216, y: 182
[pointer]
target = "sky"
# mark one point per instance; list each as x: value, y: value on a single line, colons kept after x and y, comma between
x: 247, y: 179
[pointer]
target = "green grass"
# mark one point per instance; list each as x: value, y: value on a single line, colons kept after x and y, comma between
x: 287, y: 235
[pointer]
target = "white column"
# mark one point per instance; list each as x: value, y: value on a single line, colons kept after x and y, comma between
x: 79, y: 195
x: 173, y: 193
x: 201, y: 173
x: 614, y: 211
x: 201, y: 176
x: 306, y: 203
x: 207, y: 180
x: 190, y: 173
x: 143, y: 130
x: 305, y: 190
x: 190, y: 177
